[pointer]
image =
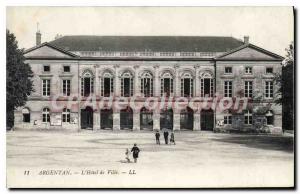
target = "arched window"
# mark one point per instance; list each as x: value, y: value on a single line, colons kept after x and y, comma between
x: 207, y: 85
x: 248, y: 117
x: 46, y: 115
x: 107, y: 84
x: 187, y: 85
x: 26, y: 115
x: 270, y: 118
x: 127, y: 84
x: 87, y: 83
x: 66, y: 115
x: 147, y: 84
x: 166, y: 84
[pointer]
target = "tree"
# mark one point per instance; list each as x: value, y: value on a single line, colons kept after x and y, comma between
x: 18, y: 78
x: 285, y: 94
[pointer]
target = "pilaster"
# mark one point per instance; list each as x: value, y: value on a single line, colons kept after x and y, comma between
x: 176, y: 121
x: 116, y: 121
x: 197, y: 121
x: 136, y: 121
x: 156, y: 120
x: 96, y: 120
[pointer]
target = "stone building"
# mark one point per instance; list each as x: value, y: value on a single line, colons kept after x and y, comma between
x: 188, y: 70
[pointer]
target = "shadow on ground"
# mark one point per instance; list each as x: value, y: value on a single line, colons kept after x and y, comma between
x: 280, y: 143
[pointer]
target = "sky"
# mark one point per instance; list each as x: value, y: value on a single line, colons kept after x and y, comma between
x: 268, y: 27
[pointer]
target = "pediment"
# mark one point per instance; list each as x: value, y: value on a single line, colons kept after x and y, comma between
x: 249, y: 52
x: 47, y: 51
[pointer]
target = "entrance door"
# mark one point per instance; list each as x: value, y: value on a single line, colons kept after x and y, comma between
x: 166, y: 119
x: 126, y: 118
x: 106, y: 116
x: 146, y: 120
x: 87, y: 118
x: 187, y: 119
x: 207, y: 120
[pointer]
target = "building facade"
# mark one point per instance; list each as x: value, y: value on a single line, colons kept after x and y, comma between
x: 178, y: 83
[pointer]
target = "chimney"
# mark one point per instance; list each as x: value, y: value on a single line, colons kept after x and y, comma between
x: 38, y: 36
x: 246, y: 39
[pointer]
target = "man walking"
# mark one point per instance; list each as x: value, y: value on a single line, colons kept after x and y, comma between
x: 135, y: 152
x: 157, y: 136
x: 166, y: 136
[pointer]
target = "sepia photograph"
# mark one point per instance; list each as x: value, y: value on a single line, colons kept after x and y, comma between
x: 150, y: 97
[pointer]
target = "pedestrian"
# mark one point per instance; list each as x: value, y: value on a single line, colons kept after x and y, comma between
x: 127, y: 155
x: 166, y: 136
x: 157, y: 136
x: 135, y: 152
x: 172, y: 138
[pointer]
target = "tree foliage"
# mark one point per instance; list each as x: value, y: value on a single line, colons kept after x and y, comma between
x: 18, y: 78
x: 285, y: 94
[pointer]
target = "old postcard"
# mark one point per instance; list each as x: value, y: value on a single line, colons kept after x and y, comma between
x: 150, y: 97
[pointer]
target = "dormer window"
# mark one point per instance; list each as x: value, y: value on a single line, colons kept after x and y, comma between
x: 66, y: 69
x: 46, y: 68
x: 228, y: 70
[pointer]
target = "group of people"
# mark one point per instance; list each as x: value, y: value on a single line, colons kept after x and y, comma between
x: 135, y: 150
x: 166, y: 137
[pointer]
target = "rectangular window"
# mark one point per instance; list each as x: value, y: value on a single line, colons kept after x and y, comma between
x: 26, y: 118
x: 66, y: 118
x: 269, y: 89
x: 66, y: 68
x: 228, y: 70
x: 248, y: 70
x: 228, y: 120
x: 248, y: 89
x: 46, y: 118
x: 227, y: 88
x: 248, y: 118
x: 46, y: 87
x: 46, y: 68
x: 66, y: 87
x: 269, y: 70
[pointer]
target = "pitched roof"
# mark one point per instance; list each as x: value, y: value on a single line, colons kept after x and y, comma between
x: 149, y: 43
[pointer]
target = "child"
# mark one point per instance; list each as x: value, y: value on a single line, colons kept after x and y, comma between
x: 157, y: 135
x: 135, y: 152
x: 172, y: 139
x: 127, y: 155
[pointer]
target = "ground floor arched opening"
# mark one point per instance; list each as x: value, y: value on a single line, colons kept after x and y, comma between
x: 146, y: 119
x: 126, y: 118
x: 106, y: 117
x: 207, y: 120
x: 166, y: 119
x: 187, y: 119
x: 87, y: 118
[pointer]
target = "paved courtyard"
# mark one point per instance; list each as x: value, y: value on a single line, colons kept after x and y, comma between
x: 199, y: 159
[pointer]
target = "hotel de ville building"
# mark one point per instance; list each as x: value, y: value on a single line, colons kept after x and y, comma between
x: 180, y: 69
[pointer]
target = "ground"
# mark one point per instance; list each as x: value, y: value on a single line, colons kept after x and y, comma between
x: 199, y: 159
